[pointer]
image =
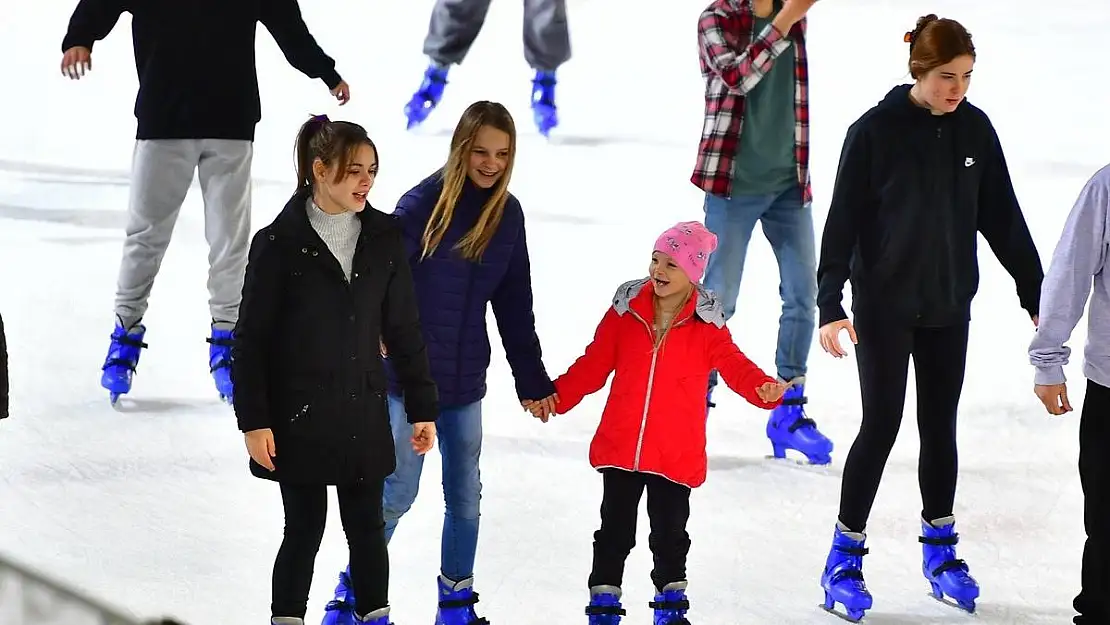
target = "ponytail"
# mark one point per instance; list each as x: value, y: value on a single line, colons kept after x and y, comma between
x: 334, y: 143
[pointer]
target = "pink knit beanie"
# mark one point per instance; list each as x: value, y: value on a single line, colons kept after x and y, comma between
x: 689, y: 244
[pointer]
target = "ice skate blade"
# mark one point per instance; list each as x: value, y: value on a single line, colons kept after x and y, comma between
x: 968, y: 607
x: 852, y: 616
x: 804, y: 465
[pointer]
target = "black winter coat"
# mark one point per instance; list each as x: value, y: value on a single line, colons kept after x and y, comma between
x: 306, y: 361
x: 3, y: 371
x: 912, y: 194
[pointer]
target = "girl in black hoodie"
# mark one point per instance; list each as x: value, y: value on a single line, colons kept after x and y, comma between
x: 325, y: 281
x: 921, y: 175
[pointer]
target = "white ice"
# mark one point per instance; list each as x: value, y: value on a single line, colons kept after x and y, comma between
x: 153, y: 508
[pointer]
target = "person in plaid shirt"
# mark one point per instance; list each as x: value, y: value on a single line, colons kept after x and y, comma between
x: 753, y: 164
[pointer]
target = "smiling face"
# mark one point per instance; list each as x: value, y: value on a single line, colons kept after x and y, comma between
x: 346, y: 191
x: 667, y: 278
x: 944, y: 87
x: 489, y: 156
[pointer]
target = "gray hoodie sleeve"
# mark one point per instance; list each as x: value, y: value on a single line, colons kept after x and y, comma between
x: 1079, y: 256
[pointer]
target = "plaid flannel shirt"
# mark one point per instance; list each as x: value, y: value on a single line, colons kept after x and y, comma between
x: 733, y: 61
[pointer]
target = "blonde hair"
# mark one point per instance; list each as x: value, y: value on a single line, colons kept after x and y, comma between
x: 674, y: 317
x: 475, y: 242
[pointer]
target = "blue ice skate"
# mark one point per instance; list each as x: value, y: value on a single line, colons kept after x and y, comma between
x: 456, y: 603
x: 341, y: 610
x: 789, y: 428
x: 543, y: 102
x: 427, y: 97
x: 671, y: 605
x: 947, y: 575
x: 377, y: 617
x: 122, y: 360
x: 219, y: 362
x: 842, y: 578
x: 605, y: 606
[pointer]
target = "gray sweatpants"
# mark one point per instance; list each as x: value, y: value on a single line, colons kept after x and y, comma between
x: 161, y: 174
x: 455, y: 24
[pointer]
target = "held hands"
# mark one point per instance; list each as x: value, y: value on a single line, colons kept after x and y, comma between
x: 771, y: 392
x: 260, y: 445
x: 423, y: 436
x: 830, y: 337
x: 1054, y: 397
x: 542, y: 409
x: 76, y: 62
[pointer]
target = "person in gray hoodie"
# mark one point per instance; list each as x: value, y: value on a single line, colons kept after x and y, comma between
x: 1077, y: 264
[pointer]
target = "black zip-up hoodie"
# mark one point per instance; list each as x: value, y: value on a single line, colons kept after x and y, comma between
x: 196, y: 60
x: 912, y: 193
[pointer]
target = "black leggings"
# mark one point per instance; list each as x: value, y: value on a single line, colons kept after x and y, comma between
x: 668, y: 508
x: 306, y: 511
x: 1093, y: 602
x: 883, y: 356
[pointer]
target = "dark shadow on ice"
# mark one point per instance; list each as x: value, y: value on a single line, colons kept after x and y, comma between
x: 153, y: 406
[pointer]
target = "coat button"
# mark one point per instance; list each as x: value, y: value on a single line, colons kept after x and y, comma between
x: 315, y: 253
x: 356, y: 274
x: 354, y: 396
x: 304, y: 250
x: 271, y: 237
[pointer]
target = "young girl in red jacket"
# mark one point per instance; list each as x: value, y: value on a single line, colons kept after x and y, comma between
x: 661, y: 336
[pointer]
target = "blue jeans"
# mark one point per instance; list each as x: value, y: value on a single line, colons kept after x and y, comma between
x: 788, y: 226
x: 459, y: 431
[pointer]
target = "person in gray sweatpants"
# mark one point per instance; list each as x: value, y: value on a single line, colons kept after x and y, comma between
x: 454, y: 27
x: 197, y: 109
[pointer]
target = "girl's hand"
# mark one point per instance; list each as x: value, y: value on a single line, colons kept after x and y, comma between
x: 771, y: 392
x: 830, y: 337
x: 542, y: 409
x: 423, y: 436
x: 260, y: 445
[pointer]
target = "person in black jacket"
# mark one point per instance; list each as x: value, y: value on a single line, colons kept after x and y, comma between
x: 921, y: 175
x: 324, y: 282
x: 3, y: 371
x: 197, y: 108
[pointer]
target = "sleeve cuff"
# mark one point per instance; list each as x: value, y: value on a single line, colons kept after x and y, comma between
x: 331, y: 78
x: 831, y: 314
x: 1049, y: 376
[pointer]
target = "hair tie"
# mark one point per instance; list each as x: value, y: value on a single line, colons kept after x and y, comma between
x: 320, y: 118
x: 909, y: 37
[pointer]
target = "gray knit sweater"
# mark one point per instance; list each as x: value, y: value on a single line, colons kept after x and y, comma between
x: 339, y: 232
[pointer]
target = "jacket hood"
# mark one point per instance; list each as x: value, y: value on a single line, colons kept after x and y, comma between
x: 706, y: 305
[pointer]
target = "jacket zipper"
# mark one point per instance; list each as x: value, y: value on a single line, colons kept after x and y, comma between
x: 650, y: 383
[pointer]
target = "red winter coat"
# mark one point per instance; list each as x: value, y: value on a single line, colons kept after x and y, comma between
x: 654, y: 420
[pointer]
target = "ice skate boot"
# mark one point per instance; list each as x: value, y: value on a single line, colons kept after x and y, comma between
x: 947, y: 575
x: 456, y: 603
x: 671, y: 605
x: 543, y: 102
x: 122, y: 360
x: 219, y: 359
x: 427, y: 97
x: 789, y: 428
x: 842, y: 578
x: 605, y: 606
x: 341, y: 610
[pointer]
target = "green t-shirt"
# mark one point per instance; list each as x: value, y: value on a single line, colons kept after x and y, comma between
x: 765, y: 161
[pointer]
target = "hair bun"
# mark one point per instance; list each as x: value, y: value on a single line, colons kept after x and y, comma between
x: 923, y: 21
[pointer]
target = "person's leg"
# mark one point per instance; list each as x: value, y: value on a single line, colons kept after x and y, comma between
x: 788, y: 225
x: 613, y: 541
x: 732, y: 220
x: 398, y: 493
x: 161, y: 174
x: 360, y: 508
x: 883, y: 360
x: 306, y: 509
x: 452, y: 29
x: 668, y: 507
x: 939, y: 356
x: 546, y: 35
x: 225, y: 182
x: 460, y: 445
x: 402, y: 486
x: 1093, y: 601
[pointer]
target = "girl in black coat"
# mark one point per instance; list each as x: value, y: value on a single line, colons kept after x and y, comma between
x: 922, y: 175
x: 325, y: 281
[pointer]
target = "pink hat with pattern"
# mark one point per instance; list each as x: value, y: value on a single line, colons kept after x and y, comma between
x: 689, y: 243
